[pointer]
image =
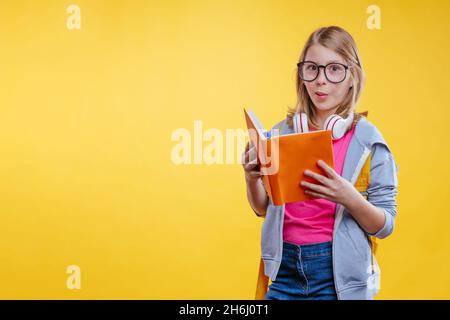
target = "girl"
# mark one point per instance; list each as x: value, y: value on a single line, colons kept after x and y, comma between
x: 320, y: 248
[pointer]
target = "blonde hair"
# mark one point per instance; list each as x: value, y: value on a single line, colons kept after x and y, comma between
x: 340, y: 41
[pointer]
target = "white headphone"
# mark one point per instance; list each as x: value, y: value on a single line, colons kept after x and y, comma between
x: 336, y: 124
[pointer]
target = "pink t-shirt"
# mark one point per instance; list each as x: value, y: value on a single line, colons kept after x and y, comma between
x: 312, y: 221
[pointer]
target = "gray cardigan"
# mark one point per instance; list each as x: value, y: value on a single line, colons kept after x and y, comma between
x: 352, y: 256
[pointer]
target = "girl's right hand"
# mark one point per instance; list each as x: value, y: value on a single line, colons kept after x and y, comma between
x: 250, y: 163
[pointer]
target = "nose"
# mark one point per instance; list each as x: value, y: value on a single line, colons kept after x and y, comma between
x: 321, y: 76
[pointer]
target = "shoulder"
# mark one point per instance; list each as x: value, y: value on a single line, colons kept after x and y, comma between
x: 368, y: 134
x: 279, y: 124
x: 371, y: 138
x: 283, y: 126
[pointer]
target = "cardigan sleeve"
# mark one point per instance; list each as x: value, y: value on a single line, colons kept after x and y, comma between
x: 383, y: 186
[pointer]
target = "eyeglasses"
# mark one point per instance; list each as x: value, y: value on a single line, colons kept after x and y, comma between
x: 334, y: 72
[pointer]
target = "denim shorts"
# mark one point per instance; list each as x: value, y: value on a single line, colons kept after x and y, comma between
x: 306, y: 273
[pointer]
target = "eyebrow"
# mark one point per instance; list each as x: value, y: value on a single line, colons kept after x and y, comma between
x: 331, y: 61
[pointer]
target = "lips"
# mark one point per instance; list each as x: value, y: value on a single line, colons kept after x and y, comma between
x: 321, y: 94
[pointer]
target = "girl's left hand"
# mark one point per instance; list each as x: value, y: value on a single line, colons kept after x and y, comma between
x: 332, y: 186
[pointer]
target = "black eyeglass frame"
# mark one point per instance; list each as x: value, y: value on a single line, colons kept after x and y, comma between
x: 324, y: 70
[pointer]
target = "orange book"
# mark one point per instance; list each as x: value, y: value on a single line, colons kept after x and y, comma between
x: 284, y: 159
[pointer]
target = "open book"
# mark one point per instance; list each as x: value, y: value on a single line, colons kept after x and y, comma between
x: 283, y: 159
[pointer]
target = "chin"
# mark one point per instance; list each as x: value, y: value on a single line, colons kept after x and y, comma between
x: 323, y: 107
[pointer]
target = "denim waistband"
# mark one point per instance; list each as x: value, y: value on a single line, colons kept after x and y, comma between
x: 309, y: 249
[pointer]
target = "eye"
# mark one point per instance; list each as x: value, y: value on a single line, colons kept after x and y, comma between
x: 336, y: 68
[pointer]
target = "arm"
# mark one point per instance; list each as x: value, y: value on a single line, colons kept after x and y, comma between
x: 376, y: 215
x: 256, y: 194
x: 368, y: 216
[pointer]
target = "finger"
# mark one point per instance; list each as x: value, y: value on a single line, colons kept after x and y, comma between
x: 252, y: 155
x: 244, y: 153
x: 245, y: 156
x: 316, y: 195
x: 328, y: 170
x: 250, y: 166
x: 314, y: 187
x: 254, y: 174
x: 249, y: 145
x: 322, y: 179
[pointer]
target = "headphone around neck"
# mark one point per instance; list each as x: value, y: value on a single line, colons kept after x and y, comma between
x: 336, y: 124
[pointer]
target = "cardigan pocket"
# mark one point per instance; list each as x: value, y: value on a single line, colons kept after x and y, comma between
x: 357, y: 237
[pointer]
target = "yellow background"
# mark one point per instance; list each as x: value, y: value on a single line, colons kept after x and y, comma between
x: 86, y: 118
